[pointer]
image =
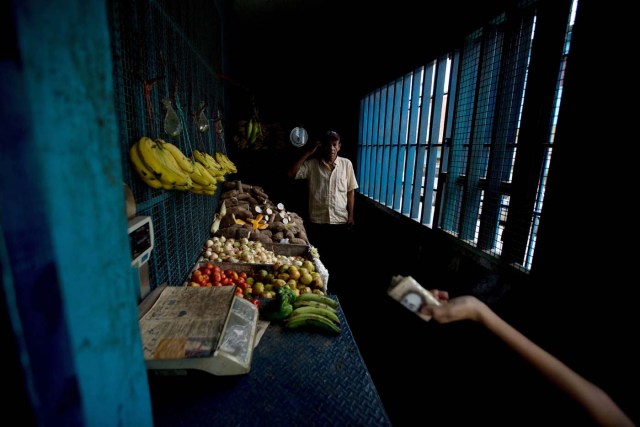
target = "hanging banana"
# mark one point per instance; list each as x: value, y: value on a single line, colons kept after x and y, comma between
x: 143, y: 171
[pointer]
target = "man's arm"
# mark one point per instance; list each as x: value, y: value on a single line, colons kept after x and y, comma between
x: 350, y: 204
x: 298, y: 164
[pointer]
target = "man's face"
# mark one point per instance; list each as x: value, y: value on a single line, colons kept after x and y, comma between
x: 331, y: 149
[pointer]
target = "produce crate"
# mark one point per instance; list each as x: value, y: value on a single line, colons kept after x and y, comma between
x: 250, y: 268
x: 289, y: 249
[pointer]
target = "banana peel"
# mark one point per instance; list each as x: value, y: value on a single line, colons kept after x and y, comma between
x: 256, y: 223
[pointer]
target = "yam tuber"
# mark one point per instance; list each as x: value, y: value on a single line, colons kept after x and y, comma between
x: 297, y: 241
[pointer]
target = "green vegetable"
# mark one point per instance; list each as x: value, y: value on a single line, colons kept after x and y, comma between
x: 279, y: 308
x: 287, y: 294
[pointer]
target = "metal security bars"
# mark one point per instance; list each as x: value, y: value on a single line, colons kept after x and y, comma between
x: 464, y: 133
x: 402, y: 138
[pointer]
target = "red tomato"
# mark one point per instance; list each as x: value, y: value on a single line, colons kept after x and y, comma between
x: 242, y: 275
x: 232, y: 274
x: 204, y: 279
x: 210, y: 266
x: 255, y: 301
x: 216, y: 277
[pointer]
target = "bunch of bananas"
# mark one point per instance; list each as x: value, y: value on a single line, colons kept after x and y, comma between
x: 254, y: 129
x: 217, y: 165
x: 314, y: 311
x: 161, y: 164
x: 225, y: 162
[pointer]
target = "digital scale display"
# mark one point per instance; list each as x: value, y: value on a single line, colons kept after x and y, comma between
x: 140, y: 239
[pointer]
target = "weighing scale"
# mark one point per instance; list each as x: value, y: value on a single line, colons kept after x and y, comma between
x: 187, y: 328
x: 141, y: 242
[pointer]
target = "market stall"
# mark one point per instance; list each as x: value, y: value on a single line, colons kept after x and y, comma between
x: 299, y: 377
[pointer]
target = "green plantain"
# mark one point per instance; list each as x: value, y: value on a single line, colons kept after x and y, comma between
x: 316, y: 310
x: 316, y: 304
x: 310, y: 296
x: 314, y: 321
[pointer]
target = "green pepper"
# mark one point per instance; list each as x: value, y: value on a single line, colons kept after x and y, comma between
x: 287, y: 294
x: 279, y: 308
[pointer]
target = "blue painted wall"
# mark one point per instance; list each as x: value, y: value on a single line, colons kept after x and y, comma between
x: 66, y: 275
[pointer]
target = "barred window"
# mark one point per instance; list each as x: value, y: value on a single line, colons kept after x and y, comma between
x: 463, y: 144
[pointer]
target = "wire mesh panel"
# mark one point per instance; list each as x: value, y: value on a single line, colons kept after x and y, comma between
x: 474, y: 148
x: 167, y: 55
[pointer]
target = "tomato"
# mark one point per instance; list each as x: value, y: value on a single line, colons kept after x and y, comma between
x: 210, y: 266
x: 255, y: 301
x: 217, y: 277
x: 204, y: 279
x: 243, y: 275
x: 232, y: 274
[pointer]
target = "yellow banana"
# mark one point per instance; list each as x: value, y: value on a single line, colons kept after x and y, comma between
x: 182, y: 177
x: 145, y: 173
x: 159, y: 161
x: 183, y: 161
x: 199, y: 157
x: 205, y: 173
x: 208, y: 190
x: 214, y: 164
x: 225, y: 161
x: 197, y: 154
x: 150, y: 156
x: 197, y: 177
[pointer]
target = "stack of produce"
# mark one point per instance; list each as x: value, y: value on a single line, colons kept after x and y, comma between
x: 246, y: 211
x: 307, y: 311
x: 302, y: 272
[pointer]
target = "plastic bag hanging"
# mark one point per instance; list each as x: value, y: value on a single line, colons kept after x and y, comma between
x: 172, y: 125
x: 202, y: 121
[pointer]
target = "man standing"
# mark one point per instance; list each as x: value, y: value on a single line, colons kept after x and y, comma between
x: 332, y: 184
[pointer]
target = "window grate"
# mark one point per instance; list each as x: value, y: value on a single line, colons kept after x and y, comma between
x: 443, y: 144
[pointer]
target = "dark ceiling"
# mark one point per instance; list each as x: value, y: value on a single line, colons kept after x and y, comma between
x: 301, y: 50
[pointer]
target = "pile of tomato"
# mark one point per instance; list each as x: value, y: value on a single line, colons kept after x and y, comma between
x: 208, y: 275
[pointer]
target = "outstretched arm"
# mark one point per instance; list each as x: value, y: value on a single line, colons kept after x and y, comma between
x: 595, y: 401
